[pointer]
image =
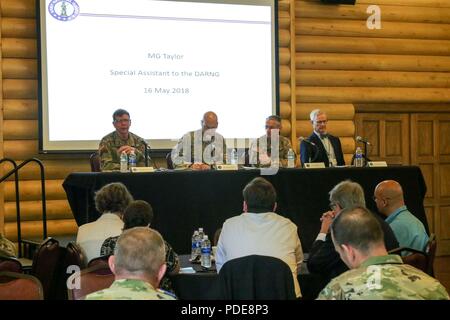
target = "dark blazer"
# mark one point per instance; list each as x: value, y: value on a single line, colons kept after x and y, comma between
x: 308, y: 151
x: 324, y: 260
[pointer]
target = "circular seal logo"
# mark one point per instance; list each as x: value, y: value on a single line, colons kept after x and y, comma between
x: 64, y: 10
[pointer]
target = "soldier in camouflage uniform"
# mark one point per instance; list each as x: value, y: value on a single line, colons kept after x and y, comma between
x: 112, y: 145
x: 375, y: 275
x: 260, y: 156
x: 138, y: 264
x: 200, y: 149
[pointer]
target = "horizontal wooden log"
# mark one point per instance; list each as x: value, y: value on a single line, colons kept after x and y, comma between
x: 339, y: 128
x: 348, y: 158
x: 285, y: 128
x: 408, y: 3
x: 285, y: 110
x: 334, y: 111
x: 284, y: 56
x: 32, y: 210
x: 20, y: 129
x: 30, y: 190
x: 18, y: 8
x: 358, y: 12
x: 54, y: 169
x: 284, y: 5
x: 33, y: 229
x: 18, y: 28
x: 348, y: 144
x: 285, y: 92
x: 372, y: 45
x: 20, y: 149
x: 334, y: 61
x: 375, y: 95
x: 284, y: 38
x: 19, y: 89
x: 402, y: 108
x: 285, y: 74
x: 338, y: 78
x: 20, y: 109
x: 284, y: 20
x: 19, y: 68
x: 19, y: 48
x: 358, y: 28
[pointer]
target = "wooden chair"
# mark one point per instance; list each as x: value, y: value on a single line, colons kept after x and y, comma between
x: 10, y: 264
x: 422, y: 260
x: 19, y: 286
x: 94, y: 160
x: 47, y: 265
x: 88, y: 281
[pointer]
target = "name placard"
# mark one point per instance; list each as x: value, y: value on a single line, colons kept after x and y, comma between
x: 314, y: 165
x: 377, y: 164
x: 142, y: 169
x: 227, y: 167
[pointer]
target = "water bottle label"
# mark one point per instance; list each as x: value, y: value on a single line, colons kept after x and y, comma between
x: 206, y: 250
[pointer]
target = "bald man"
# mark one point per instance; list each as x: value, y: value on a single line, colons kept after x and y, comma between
x: 203, y: 148
x: 409, y: 230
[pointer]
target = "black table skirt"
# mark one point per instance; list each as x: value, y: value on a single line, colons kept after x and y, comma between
x: 186, y: 200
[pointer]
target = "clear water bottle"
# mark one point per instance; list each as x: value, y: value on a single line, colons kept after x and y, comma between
x: 359, y: 158
x: 199, y: 241
x: 206, y: 252
x: 123, y: 162
x: 195, y: 245
x: 132, y: 160
x: 234, y: 156
x: 291, y: 159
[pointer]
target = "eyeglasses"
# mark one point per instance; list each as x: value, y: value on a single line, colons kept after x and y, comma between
x: 122, y: 121
x: 333, y: 206
x: 322, y: 122
x: 272, y: 128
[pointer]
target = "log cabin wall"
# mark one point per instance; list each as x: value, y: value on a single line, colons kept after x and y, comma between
x: 390, y: 85
x: 397, y: 78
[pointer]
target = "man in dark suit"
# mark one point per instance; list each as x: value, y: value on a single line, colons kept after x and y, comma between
x: 320, y: 145
x: 323, y: 258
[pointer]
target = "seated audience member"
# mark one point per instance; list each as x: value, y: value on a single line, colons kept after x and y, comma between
x: 202, y: 148
x: 374, y: 275
x: 138, y: 265
x: 112, y: 145
x: 409, y: 230
x: 327, y: 147
x: 140, y: 214
x: 323, y: 259
x: 260, y: 156
x: 259, y: 230
x: 7, y: 248
x: 111, y: 201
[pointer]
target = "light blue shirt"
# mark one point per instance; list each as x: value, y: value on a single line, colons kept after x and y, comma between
x: 408, y: 230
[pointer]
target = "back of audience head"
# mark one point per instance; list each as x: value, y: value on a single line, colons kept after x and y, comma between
x: 139, y: 254
x: 347, y: 194
x: 138, y: 214
x: 259, y: 196
x: 357, y: 235
x: 388, y: 196
x: 113, y: 197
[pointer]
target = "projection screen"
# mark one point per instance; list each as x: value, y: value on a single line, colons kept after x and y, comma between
x: 166, y: 62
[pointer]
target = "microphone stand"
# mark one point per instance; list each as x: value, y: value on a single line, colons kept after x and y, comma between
x: 147, y: 147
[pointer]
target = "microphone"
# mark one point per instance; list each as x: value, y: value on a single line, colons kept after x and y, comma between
x: 307, y: 141
x: 363, y: 140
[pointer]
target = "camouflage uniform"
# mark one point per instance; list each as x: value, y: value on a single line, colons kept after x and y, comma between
x: 195, y: 140
x: 7, y: 248
x: 110, y: 159
x: 130, y: 289
x: 384, y: 278
x: 283, y: 148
